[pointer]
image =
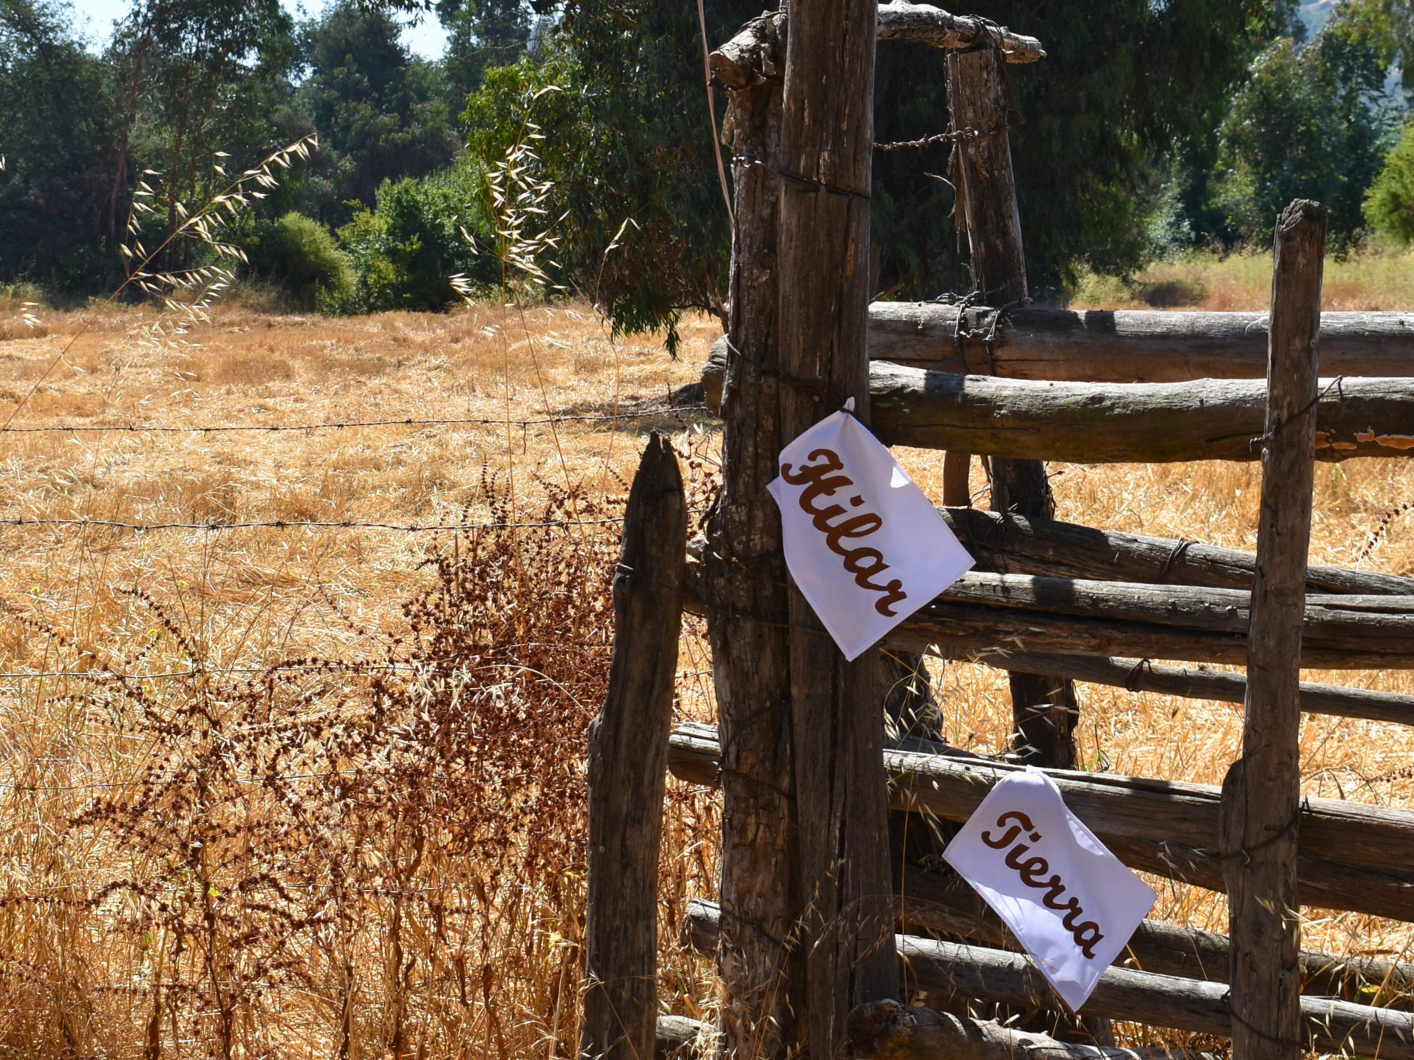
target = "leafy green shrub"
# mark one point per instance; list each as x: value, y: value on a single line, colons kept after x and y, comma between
x: 300, y: 255
x: 1389, y: 204
x: 1310, y: 123
x: 420, y: 235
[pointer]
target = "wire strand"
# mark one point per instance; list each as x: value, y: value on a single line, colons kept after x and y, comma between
x: 135, y: 428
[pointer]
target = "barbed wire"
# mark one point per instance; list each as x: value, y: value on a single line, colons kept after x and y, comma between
x: 296, y: 524
x: 484, y: 421
x: 331, y: 666
x: 961, y: 136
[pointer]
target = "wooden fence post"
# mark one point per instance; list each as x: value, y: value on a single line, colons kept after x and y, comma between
x: 628, y: 757
x: 846, y: 931
x: 744, y: 584
x: 1261, y: 794
x: 1043, y: 708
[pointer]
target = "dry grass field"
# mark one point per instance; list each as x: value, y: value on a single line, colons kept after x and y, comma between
x: 220, y: 836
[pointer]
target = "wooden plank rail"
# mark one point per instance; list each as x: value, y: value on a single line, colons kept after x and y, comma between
x: 889, y: 1030
x: 1015, y: 544
x: 948, y: 970
x: 1127, y: 346
x: 925, y: 24
x: 985, y: 614
x: 1140, y: 675
x: 945, y: 904
x: 1099, y: 423
x: 1352, y: 856
x: 1070, y: 616
x: 1120, y: 346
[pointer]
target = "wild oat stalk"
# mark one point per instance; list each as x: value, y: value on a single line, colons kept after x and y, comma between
x: 189, y: 291
x: 519, y: 200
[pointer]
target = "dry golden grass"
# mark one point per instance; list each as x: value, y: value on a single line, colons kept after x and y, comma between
x: 1365, y: 281
x: 486, y: 977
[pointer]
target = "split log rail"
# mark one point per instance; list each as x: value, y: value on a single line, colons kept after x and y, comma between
x: 804, y: 777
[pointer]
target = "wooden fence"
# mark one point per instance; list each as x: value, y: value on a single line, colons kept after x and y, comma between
x: 817, y: 894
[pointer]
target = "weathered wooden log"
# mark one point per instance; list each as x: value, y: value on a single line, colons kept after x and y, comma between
x: 677, y: 1038
x: 1099, y: 423
x: 952, y: 969
x: 1073, y: 365
x: 982, y: 613
x: 947, y: 905
x: 890, y: 1030
x: 627, y: 760
x: 757, y: 51
x: 1125, y: 346
x: 744, y: 575
x: 1261, y: 793
x: 1140, y: 675
x: 1013, y: 544
x: 1043, y: 708
x: 1353, y: 856
x: 1205, y: 624
x: 924, y: 24
x: 822, y: 264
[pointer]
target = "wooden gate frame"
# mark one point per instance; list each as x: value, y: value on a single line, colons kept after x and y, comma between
x: 802, y: 932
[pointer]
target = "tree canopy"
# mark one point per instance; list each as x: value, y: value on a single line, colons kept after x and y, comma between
x: 1151, y: 126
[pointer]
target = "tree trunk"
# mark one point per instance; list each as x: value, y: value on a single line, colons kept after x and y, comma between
x: 827, y: 147
x: 628, y: 745
x: 1262, y: 792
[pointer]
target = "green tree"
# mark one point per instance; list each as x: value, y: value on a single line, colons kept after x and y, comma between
x: 380, y: 113
x: 200, y: 77
x: 55, y: 132
x: 420, y: 235
x: 1310, y: 122
x: 1389, y: 204
x: 480, y: 35
x: 628, y: 141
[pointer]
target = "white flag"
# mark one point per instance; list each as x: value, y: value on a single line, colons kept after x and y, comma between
x: 864, y: 544
x: 1071, y: 903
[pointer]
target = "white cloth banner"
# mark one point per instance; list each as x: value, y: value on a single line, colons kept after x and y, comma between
x: 1071, y: 903
x: 863, y: 543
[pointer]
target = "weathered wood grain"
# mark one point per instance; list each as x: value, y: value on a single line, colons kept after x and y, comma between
x: 1044, y: 709
x: 628, y: 746
x: 924, y: 24
x: 1262, y: 790
x: 889, y: 1030
x: 1140, y: 675
x: 1205, y: 624
x: 1098, y: 423
x: 743, y: 573
x: 1126, y: 346
x: 931, y: 904
x: 1014, y: 544
x: 827, y: 132
x: 1352, y: 856
x: 956, y: 970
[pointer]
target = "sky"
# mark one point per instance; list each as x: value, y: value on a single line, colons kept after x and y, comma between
x: 96, y: 17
